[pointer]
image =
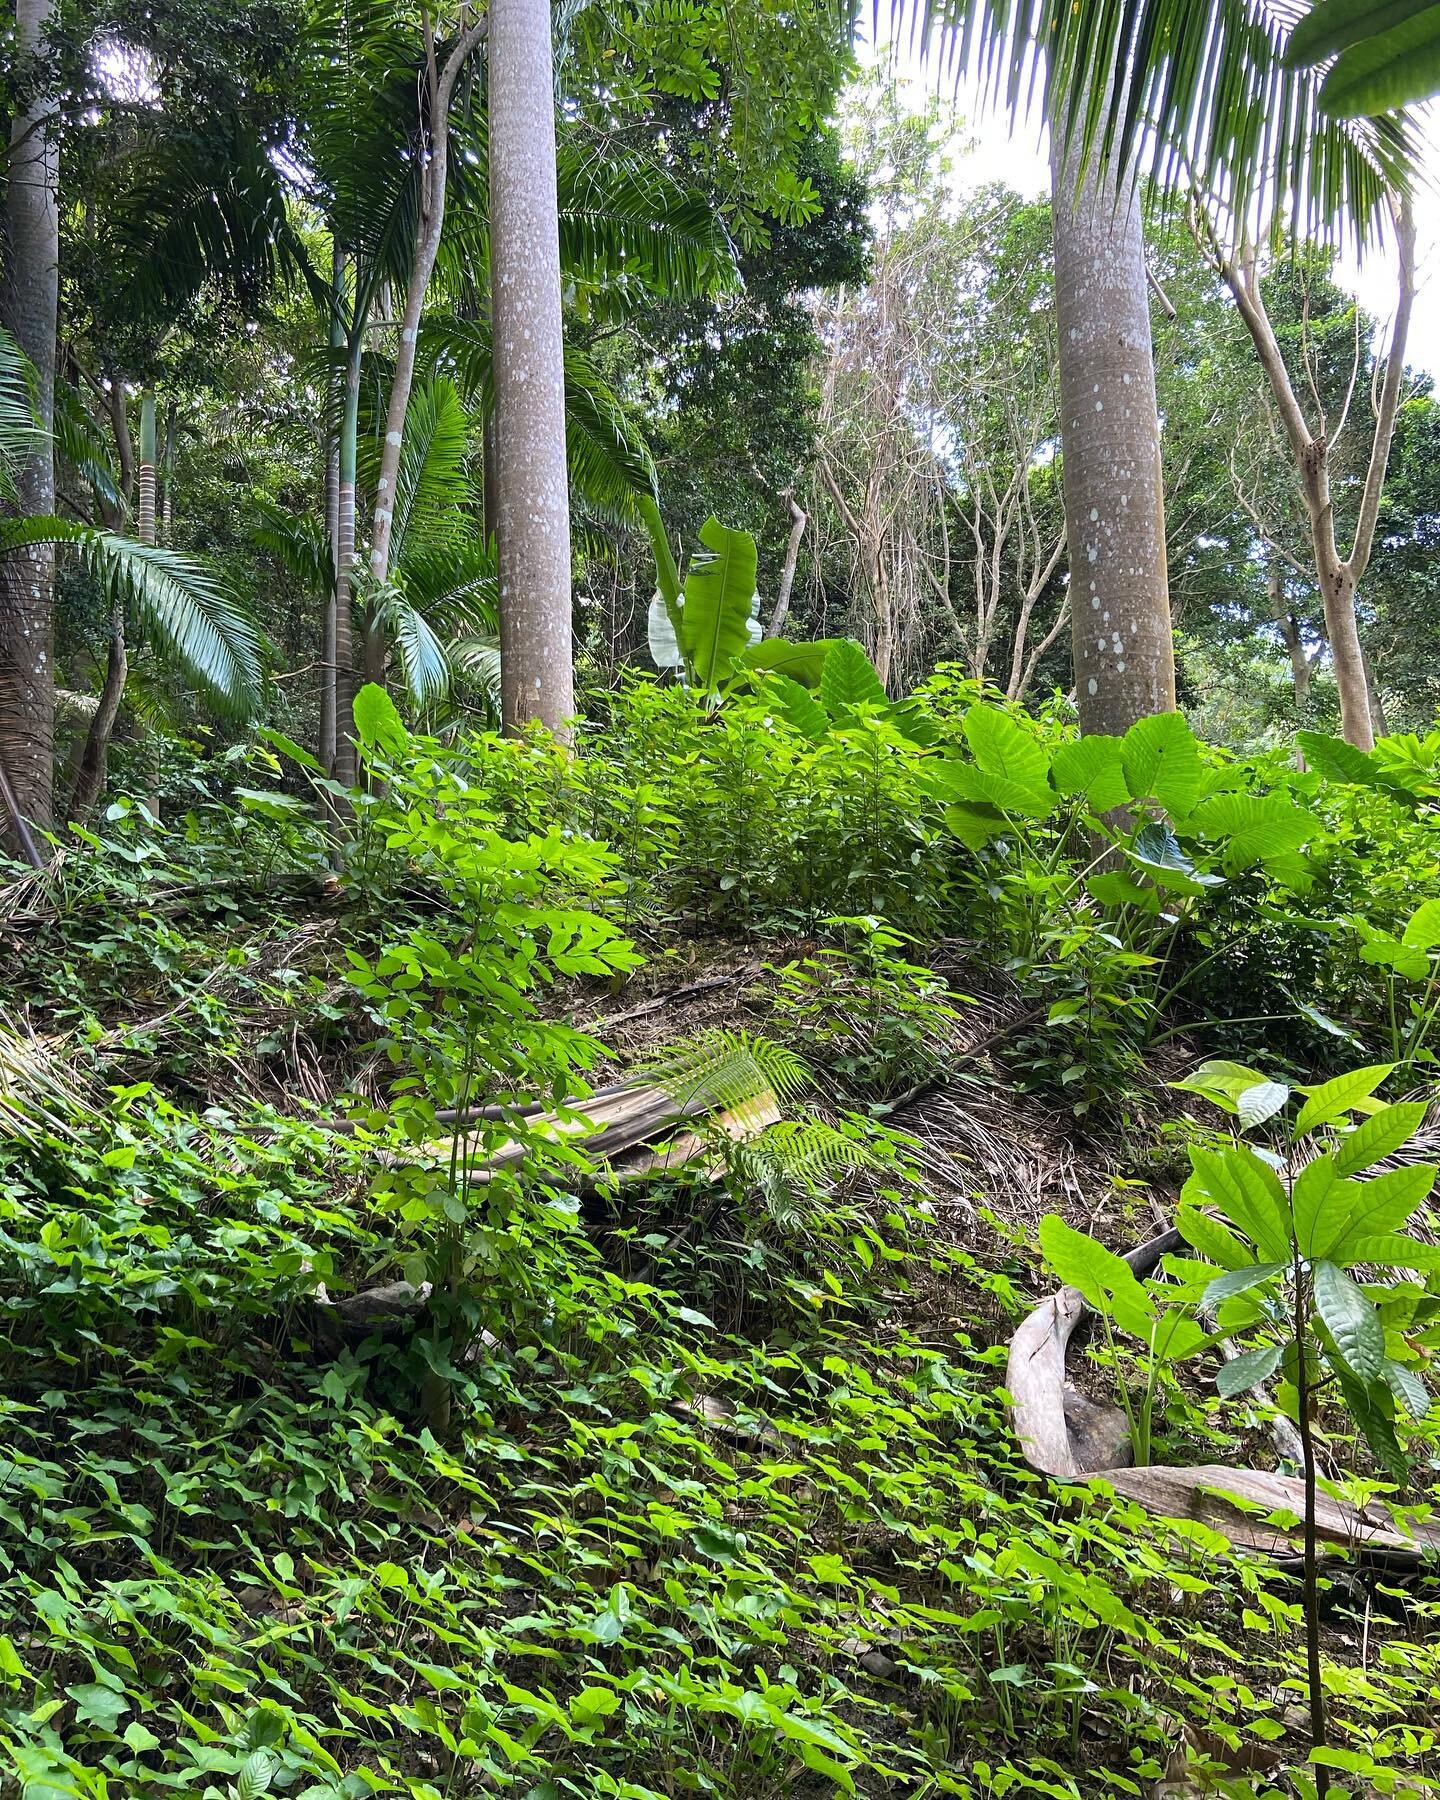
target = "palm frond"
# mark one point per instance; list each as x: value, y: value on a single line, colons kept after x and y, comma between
x: 424, y: 661
x: 610, y: 465
x: 721, y: 1069
x: 1208, y: 91
x: 21, y: 432
x: 87, y: 448
x: 477, y: 660
x: 200, y: 208
x: 189, y: 617
x: 456, y: 585
x: 432, y: 485
x: 627, y: 223
x: 37, y: 1098
x: 298, y: 543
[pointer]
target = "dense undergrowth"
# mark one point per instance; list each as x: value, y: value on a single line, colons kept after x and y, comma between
x: 704, y: 1490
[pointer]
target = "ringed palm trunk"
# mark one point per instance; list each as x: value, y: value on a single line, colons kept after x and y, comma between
x: 345, y: 769
x: 532, y: 494
x: 1124, y: 646
x: 28, y: 307
x: 95, y: 757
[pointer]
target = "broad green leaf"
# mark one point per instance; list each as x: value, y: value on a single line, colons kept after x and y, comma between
x: 1378, y: 1135
x: 1251, y: 827
x: 1114, y: 889
x: 976, y: 826
x: 719, y: 598
x: 1094, y: 767
x: 1003, y: 746
x: 1162, y: 760
x: 1383, y: 950
x: 1335, y: 1099
x: 1372, y: 1406
x: 1351, y: 1320
x: 1242, y: 1373
x: 1178, y: 1336
x: 1248, y: 1193
x: 1393, y: 1250
x: 798, y: 705
x: 1377, y: 1207
x: 1156, y: 850
x: 377, y: 723
x: 1423, y: 930
x: 968, y: 782
x: 1210, y: 1237
x: 1261, y: 1102
x: 1336, y: 760
x: 849, y: 679
x: 1394, y: 69
x: 1321, y: 1201
x: 277, y: 740
x: 1105, y: 1280
x: 1407, y: 1387
x: 96, y: 1704
x: 255, y: 1776
x: 1220, y: 1082
x: 1239, y: 1281
x: 803, y: 662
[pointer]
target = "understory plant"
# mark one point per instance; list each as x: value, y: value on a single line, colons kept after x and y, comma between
x: 1320, y: 1278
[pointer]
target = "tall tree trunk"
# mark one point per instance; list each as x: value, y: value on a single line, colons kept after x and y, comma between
x: 1124, y: 646
x: 334, y: 398
x: 531, y: 483
x: 345, y: 770
x: 167, y: 470
x: 799, y: 519
x: 28, y: 309
x: 94, y: 767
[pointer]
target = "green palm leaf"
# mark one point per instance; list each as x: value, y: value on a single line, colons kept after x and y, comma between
x: 424, y: 662
x: 298, y: 542
x: 21, y: 432
x: 627, y: 224
x: 83, y: 445
x: 1209, y: 91
x: 184, y: 612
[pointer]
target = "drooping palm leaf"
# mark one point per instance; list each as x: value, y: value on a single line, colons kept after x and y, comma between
x: 626, y: 223
x: 1209, y: 91
x: 20, y: 430
x: 88, y: 450
x: 188, y: 616
x: 298, y: 542
x: 433, y: 486
x: 424, y: 662
x: 455, y: 585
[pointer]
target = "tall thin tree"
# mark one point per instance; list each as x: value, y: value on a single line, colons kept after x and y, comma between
x: 531, y: 484
x: 28, y: 308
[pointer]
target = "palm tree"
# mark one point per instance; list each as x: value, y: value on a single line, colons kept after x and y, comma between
x: 1212, y: 93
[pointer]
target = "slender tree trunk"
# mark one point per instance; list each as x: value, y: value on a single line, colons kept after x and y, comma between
x: 167, y: 489
x: 334, y: 398
x: 531, y: 480
x: 28, y: 309
x: 1338, y: 577
x: 345, y: 770
x: 799, y: 518
x: 1124, y: 645
x: 94, y: 767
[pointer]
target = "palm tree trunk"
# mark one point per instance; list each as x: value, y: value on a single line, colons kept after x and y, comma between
x: 532, y: 490
x: 94, y: 767
x: 28, y: 309
x: 1124, y: 646
x: 328, y: 710
x: 167, y: 501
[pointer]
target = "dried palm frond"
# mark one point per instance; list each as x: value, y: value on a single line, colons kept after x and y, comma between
x: 38, y: 1099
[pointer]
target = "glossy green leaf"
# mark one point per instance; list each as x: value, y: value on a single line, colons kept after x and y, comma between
x: 1248, y: 1193
x: 1161, y: 759
x: 848, y: 679
x: 1240, y: 1281
x: 719, y: 599
x: 1247, y: 1371
x: 1336, y: 1099
x: 1351, y: 1320
x: 1095, y: 767
x: 1379, y: 1135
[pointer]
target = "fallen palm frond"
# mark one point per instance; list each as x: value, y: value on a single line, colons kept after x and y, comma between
x: 38, y: 1099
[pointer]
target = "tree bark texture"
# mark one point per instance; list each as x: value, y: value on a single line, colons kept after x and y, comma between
x: 531, y: 481
x: 28, y: 309
x: 1124, y: 645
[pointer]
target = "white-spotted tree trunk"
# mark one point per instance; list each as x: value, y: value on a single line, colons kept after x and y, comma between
x: 532, y: 493
x: 28, y: 309
x: 1124, y: 646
